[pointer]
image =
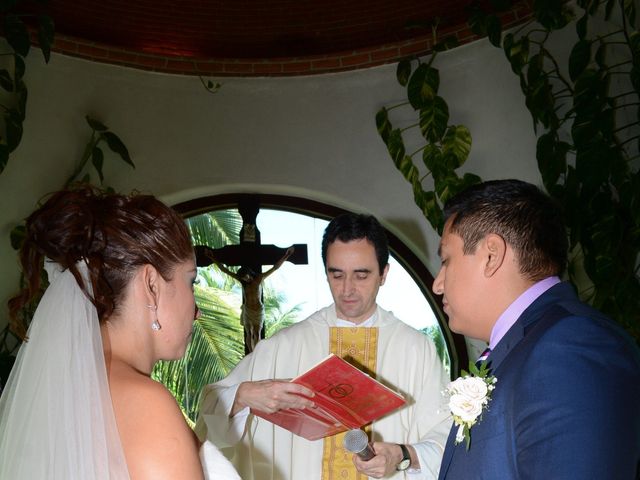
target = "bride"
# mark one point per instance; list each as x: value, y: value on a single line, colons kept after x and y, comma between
x: 80, y: 403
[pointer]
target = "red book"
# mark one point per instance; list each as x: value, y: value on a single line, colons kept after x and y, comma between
x: 346, y: 398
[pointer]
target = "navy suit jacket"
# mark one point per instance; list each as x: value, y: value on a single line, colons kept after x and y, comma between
x: 566, y: 404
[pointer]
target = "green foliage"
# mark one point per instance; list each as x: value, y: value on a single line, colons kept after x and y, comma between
x: 13, y: 90
x: 275, y: 317
x: 92, y: 151
x: 435, y: 334
x: 210, y: 86
x: 447, y: 146
x: 586, y: 112
x: 215, y: 229
x: 587, y: 153
x: 217, y: 344
x: 100, y: 135
x: 215, y: 348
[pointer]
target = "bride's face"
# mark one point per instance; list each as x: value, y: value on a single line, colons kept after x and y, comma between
x: 179, y: 310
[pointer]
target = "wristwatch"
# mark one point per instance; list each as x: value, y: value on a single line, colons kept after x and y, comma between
x: 406, y: 459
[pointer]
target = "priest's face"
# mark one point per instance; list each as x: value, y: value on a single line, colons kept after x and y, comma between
x: 354, y: 278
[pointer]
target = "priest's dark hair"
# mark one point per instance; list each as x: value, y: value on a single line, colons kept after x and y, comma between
x: 356, y: 226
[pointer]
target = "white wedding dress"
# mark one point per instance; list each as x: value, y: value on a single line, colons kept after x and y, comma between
x: 56, y: 415
x: 215, y: 465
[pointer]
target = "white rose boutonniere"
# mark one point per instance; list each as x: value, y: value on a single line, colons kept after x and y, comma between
x: 469, y: 395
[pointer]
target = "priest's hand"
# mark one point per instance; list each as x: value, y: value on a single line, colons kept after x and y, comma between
x: 272, y: 395
x: 388, y: 456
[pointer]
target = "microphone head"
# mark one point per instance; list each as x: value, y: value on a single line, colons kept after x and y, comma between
x: 355, y: 440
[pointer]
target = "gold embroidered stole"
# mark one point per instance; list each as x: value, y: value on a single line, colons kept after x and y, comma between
x: 358, y: 346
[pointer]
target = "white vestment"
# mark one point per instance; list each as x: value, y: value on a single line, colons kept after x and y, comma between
x: 406, y: 361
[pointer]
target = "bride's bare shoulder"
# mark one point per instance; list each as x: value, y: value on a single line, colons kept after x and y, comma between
x: 157, y: 441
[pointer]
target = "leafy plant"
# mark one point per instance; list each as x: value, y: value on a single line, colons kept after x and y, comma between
x: 585, y: 110
x: 13, y: 90
x: 100, y: 134
x: 447, y: 146
x: 210, y: 86
x: 586, y: 113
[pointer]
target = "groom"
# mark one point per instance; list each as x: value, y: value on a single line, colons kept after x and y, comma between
x: 565, y: 404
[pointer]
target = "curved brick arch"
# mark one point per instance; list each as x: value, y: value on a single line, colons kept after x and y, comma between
x: 148, y: 50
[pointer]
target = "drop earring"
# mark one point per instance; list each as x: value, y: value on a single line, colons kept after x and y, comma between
x: 155, y: 325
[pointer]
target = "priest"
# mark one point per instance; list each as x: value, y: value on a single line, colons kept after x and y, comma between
x: 408, y: 443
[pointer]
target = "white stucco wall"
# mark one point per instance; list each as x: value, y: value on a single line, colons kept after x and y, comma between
x: 313, y: 137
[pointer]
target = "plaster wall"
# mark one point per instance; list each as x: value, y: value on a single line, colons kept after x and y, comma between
x: 312, y: 137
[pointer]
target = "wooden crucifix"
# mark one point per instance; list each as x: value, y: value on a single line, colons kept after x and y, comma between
x: 250, y: 256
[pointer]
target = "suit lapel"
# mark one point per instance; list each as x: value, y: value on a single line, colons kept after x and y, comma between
x: 448, y: 453
x: 527, y: 320
x: 505, y: 345
x: 532, y: 314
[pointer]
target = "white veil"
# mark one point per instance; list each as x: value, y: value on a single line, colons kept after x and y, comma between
x: 56, y: 415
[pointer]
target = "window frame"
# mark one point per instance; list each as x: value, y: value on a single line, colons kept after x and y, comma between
x: 455, y: 343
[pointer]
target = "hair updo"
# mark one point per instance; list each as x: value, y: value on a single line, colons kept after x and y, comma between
x: 115, y: 234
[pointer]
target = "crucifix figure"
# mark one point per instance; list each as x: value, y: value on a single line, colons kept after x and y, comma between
x: 250, y: 255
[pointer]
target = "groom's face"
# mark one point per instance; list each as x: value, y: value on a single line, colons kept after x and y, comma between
x: 460, y: 281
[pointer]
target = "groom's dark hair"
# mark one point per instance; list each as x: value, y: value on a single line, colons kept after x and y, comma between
x: 527, y: 219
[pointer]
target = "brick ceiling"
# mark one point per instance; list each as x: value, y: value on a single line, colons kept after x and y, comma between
x: 210, y: 34
x: 249, y: 28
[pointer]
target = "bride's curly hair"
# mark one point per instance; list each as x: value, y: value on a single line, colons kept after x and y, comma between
x: 114, y: 234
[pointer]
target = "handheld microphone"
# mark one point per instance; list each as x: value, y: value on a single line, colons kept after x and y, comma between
x: 356, y: 441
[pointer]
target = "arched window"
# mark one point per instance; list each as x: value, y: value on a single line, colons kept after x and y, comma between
x: 294, y: 291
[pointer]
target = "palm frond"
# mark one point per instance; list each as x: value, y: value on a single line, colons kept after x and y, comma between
x: 217, y: 344
x: 215, y: 348
x: 215, y: 229
x: 435, y: 334
x: 275, y: 318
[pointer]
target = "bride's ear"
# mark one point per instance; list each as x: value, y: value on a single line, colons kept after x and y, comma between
x: 150, y: 283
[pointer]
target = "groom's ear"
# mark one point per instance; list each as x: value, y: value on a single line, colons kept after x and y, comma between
x: 495, y: 249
